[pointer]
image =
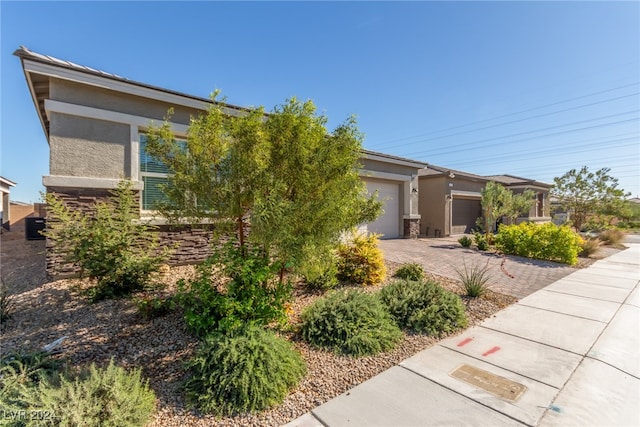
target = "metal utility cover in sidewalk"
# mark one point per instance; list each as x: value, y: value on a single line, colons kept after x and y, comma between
x: 494, y: 384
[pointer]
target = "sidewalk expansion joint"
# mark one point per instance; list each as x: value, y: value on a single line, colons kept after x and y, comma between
x: 613, y: 366
x: 317, y: 417
x: 566, y: 314
x: 537, y: 342
x: 574, y: 295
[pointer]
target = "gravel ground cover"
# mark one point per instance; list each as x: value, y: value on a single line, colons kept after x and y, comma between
x: 115, y: 329
x: 46, y: 311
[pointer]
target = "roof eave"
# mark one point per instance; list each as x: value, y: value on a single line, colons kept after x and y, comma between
x: 34, y: 97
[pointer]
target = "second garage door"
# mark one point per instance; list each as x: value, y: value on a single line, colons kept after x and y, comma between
x: 388, y: 224
x: 464, y: 215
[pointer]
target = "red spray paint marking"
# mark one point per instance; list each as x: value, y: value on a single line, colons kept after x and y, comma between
x: 492, y: 350
x: 465, y: 342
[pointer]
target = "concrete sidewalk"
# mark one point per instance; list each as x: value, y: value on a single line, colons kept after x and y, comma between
x: 567, y: 355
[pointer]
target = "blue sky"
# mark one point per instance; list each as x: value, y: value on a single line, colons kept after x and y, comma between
x: 527, y: 88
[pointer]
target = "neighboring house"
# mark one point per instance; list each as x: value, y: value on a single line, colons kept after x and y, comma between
x: 5, y: 212
x: 450, y: 200
x: 95, y: 125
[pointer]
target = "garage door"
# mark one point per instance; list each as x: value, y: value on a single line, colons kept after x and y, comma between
x: 388, y: 224
x: 464, y: 215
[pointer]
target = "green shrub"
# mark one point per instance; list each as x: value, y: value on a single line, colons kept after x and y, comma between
x: 21, y: 371
x: 360, y: 261
x: 350, y: 322
x: 474, y: 280
x: 481, y: 241
x: 612, y: 236
x: 321, y: 271
x: 112, y: 246
x: 249, y: 369
x: 545, y: 241
x: 424, y: 306
x: 589, y: 247
x: 99, y: 397
x: 252, y: 293
x: 465, y: 241
x: 410, y: 271
x: 6, y: 305
x: 151, y: 307
x: 108, y: 396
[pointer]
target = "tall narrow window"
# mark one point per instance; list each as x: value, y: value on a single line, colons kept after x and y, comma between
x: 153, y: 174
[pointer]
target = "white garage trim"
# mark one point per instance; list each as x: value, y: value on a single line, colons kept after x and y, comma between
x: 470, y: 194
x: 383, y: 175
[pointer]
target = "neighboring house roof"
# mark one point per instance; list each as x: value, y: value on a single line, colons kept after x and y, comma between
x: 6, y: 183
x: 434, y: 170
x: 374, y: 155
x: 505, y: 179
x: 517, y: 180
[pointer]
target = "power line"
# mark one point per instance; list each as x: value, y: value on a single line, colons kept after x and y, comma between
x: 475, y: 143
x: 521, y: 120
x: 538, y: 170
x: 434, y: 152
x: 506, y: 115
x: 579, y: 148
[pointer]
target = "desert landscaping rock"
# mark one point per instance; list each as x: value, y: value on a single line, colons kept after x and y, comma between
x: 113, y: 328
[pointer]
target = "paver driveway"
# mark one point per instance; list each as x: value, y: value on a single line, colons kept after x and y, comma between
x: 518, y: 276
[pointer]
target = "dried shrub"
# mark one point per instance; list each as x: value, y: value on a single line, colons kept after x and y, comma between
x: 612, y: 236
x: 589, y: 247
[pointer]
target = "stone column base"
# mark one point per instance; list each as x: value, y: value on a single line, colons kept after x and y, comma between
x: 411, y: 228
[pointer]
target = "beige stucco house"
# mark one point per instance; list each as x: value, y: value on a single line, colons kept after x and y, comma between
x: 449, y: 201
x: 95, y: 125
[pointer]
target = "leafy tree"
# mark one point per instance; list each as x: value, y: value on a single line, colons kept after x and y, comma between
x: 583, y: 193
x: 295, y: 182
x: 216, y: 176
x: 110, y: 245
x: 498, y: 201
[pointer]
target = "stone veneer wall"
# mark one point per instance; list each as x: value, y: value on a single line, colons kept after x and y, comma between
x: 191, y: 244
x: 411, y: 228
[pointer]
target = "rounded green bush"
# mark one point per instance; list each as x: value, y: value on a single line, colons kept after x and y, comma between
x: 465, y: 241
x: 410, y: 271
x: 424, y: 306
x: 544, y: 241
x: 321, y: 271
x: 361, y: 261
x: 246, y: 370
x: 101, y: 397
x: 350, y: 322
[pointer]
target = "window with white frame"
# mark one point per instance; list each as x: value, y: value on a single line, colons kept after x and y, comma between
x: 154, y: 174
